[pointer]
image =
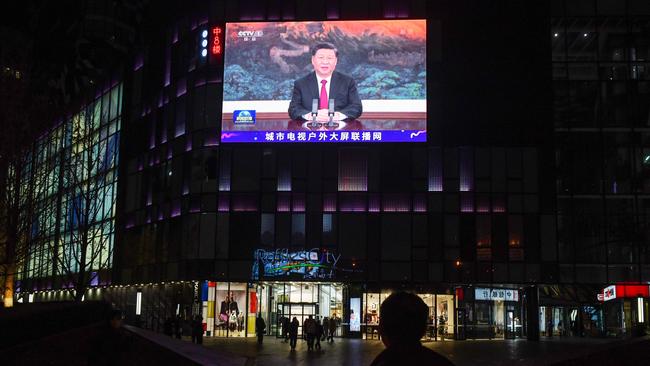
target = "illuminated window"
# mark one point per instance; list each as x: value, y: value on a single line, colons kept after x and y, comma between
x: 435, y: 170
x: 284, y: 202
x: 225, y: 171
x: 353, y: 169
x: 352, y: 202
x: 168, y: 66
x: 267, y: 230
x: 298, y: 204
x: 515, y: 234
x: 483, y: 238
x: 298, y: 229
x: 396, y: 202
x: 284, y: 173
x: 329, y: 202
x: 466, y: 170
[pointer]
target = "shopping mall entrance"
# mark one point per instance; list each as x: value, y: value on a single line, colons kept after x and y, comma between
x: 299, y: 300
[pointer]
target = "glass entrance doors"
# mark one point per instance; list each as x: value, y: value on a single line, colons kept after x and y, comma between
x: 511, y: 328
x: 300, y: 311
x: 493, y: 319
x: 299, y: 300
x: 461, y: 323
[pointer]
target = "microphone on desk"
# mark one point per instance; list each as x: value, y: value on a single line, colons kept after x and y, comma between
x: 330, y: 113
x: 314, y: 111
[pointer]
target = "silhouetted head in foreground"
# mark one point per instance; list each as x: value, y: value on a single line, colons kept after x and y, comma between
x: 403, y: 319
x: 402, y: 323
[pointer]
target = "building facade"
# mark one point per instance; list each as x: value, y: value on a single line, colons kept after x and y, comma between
x: 523, y: 204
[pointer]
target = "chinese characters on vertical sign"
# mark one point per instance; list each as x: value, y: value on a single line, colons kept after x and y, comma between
x: 216, y: 41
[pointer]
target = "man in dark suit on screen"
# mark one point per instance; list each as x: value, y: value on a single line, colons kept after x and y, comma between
x: 324, y: 84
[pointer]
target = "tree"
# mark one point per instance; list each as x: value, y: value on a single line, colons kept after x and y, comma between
x: 16, y: 209
x: 84, y: 250
x: 21, y: 111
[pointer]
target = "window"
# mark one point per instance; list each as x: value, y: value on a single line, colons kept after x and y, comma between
x: 353, y: 169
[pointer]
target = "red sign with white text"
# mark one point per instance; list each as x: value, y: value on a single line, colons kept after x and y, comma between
x: 625, y: 291
x: 216, y: 48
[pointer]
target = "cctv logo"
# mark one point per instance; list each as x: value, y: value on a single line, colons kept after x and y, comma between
x: 250, y: 35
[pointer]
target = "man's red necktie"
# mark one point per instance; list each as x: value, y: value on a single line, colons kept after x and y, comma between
x: 322, y: 104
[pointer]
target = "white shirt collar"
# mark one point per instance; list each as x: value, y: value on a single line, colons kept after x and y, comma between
x: 329, y: 80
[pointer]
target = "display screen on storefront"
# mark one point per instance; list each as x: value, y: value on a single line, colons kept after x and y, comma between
x: 376, y: 93
x: 496, y: 294
x: 303, y: 264
x: 355, y: 314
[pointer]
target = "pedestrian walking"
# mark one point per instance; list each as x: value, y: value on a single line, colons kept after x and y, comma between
x: 332, y: 329
x: 293, y: 333
x: 284, y: 326
x: 319, y: 333
x: 309, y: 327
x: 260, y: 328
x: 326, y: 326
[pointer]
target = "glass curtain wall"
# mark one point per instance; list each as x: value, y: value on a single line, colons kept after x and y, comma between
x: 72, y: 178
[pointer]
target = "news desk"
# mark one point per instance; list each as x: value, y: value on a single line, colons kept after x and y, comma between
x: 356, y: 130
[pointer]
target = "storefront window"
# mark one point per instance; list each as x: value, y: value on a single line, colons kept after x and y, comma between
x: 230, y: 308
x: 498, y: 313
x: 440, y: 323
x: 445, y: 309
x: 482, y: 327
x: 495, y: 313
x: 372, y: 312
x: 371, y: 307
x: 430, y: 300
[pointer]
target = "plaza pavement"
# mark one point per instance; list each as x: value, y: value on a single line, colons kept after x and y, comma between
x: 357, y: 352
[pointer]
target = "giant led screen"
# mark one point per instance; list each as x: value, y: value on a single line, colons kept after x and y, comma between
x: 325, y: 82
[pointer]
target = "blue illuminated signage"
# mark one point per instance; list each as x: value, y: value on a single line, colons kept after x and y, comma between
x: 305, y: 264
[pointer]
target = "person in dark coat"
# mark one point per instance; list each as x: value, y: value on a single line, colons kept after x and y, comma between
x: 309, y: 328
x: 197, y: 330
x: 285, y: 328
x: 260, y: 328
x: 293, y: 333
x: 402, y: 324
x: 319, y: 333
x: 326, y: 325
x: 325, y: 84
x: 332, y: 329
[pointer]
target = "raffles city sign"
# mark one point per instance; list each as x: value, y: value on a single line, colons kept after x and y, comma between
x: 303, y: 264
